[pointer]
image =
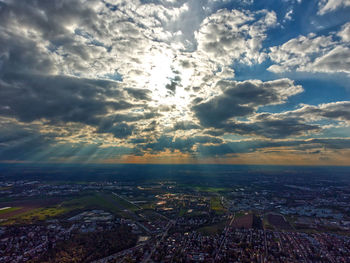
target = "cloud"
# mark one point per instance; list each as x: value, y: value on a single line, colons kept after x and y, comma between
x: 184, y: 145
x: 185, y: 125
x: 240, y: 99
x: 22, y: 142
x: 326, y: 6
x: 288, y: 16
x: 59, y: 98
x: 270, y: 126
x: 344, y: 33
x: 234, y: 35
x: 300, y: 122
x: 339, y: 111
x: 139, y: 94
x: 292, y: 123
x: 119, y: 130
x: 313, y: 53
x: 338, y: 59
x: 87, y: 80
x: 248, y: 146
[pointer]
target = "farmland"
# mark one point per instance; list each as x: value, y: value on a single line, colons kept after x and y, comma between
x: 215, y: 205
x: 7, y: 210
x: 278, y: 222
x: 213, y: 229
x: 40, y: 211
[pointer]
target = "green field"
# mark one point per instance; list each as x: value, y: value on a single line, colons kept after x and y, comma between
x: 149, y: 205
x: 182, y: 212
x: 11, y: 209
x: 106, y: 201
x: 242, y: 213
x: 266, y: 224
x: 125, y: 204
x: 36, y: 214
x: 96, y: 200
x: 100, y: 200
x: 211, y: 189
x: 43, y: 213
x: 204, y: 188
x: 213, y: 229
x: 216, y: 205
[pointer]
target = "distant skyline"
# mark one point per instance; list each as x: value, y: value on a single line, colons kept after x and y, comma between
x: 175, y: 81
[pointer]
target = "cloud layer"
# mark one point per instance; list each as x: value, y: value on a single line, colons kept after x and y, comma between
x: 91, y: 81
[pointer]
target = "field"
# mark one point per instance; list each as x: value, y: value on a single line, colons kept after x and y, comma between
x: 42, y: 211
x: 8, y: 210
x: 278, y: 222
x: 124, y: 203
x: 210, y: 189
x: 100, y: 200
x: 182, y: 212
x: 213, y: 229
x: 151, y: 215
x: 149, y: 205
x: 215, y: 205
x: 247, y: 221
x: 21, y: 208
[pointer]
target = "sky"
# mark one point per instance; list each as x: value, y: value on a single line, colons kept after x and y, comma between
x: 175, y: 81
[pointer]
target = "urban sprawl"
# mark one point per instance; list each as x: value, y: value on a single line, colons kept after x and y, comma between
x: 266, y: 220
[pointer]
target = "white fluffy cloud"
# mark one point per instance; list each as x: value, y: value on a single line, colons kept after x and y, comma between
x: 228, y: 36
x: 313, y: 53
x: 326, y: 6
x: 344, y: 33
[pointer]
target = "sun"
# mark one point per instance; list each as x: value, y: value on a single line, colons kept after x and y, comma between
x: 162, y: 72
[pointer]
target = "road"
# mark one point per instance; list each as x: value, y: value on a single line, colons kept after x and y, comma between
x: 118, y: 254
x: 126, y: 200
x: 224, y: 238
x: 165, y: 233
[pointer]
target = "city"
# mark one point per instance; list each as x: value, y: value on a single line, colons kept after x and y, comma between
x: 257, y: 218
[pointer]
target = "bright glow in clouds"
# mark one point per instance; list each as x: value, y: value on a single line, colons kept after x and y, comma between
x: 160, y: 73
x: 165, y: 84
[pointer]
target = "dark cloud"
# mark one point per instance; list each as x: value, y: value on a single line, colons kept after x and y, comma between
x: 290, y: 123
x: 25, y: 142
x: 185, y: 125
x: 19, y: 142
x: 151, y: 127
x: 118, y: 124
x: 339, y: 110
x: 254, y: 145
x: 59, y: 98
x: 184, y: 145
x: 173, y: 84
x: 139, y: 94
x: 272, y: 128
x: 218, y: 110
x: 32, y: 33
x: 127, y: 117
x: 119, y: 130
x: 242, y: 99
